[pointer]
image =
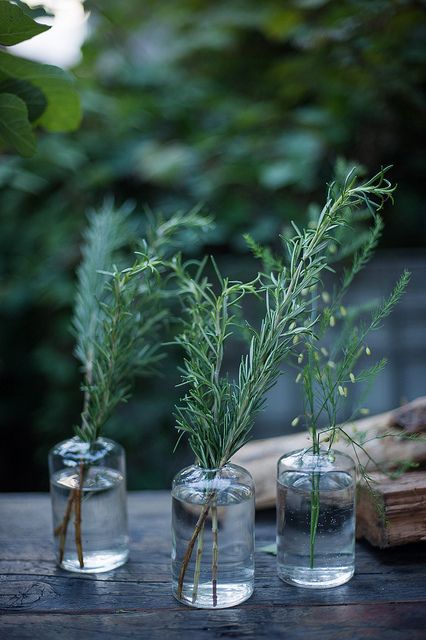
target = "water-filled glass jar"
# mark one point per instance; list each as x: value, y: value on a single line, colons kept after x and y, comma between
x: 213, y: 536
x: 89, y: 504
x: 316, y: 518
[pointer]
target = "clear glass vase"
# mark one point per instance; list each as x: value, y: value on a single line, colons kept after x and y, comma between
x: 89, y: 504
x: 213, y: 536
x: 316, y: 518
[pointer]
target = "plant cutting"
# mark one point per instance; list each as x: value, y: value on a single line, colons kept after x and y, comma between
x: 316, y: 485
x: 119, y: 313
x: 212, y: 553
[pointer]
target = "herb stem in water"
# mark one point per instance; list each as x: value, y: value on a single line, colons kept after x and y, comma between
x: 215, y: 548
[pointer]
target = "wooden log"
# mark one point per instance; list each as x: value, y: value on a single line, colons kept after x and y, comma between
x: 396, y: 513
x: 260, y: 456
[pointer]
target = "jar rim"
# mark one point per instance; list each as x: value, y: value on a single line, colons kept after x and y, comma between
x: 323, y: 454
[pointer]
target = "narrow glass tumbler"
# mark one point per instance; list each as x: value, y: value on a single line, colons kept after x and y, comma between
x: 213, y: 536
x: 89, y: 504
x: 316, y: 518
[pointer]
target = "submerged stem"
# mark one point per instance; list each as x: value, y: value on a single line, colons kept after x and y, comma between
x: 200, y: 545
x: 188, y: 553
x: 61, y: 529
x: 315, y: 508
x: 77, y: 520
x: 215, y: 549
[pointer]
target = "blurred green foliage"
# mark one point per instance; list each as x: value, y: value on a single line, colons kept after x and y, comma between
x: 243, y: 105
x: 31, y: 94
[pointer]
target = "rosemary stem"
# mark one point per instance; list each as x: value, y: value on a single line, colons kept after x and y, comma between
x: 77, y: 521
x: 188, y: 553
x: 200, y: 546
x: 61, y: 529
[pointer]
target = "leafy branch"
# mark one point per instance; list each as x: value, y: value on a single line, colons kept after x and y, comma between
x: 216, y: 413
x: 120, y: 312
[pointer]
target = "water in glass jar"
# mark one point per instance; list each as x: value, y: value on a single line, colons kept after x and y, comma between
x: 103, y: 518
x: 235, y: 552
x: 330, y: 560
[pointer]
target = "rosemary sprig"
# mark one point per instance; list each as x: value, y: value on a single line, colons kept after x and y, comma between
x: 120, y: 312
x: 118, y: 315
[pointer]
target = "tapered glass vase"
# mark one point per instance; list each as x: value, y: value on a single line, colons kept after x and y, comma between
x: 89, y: 505
x: 316, y: 518
x: 213, y: 536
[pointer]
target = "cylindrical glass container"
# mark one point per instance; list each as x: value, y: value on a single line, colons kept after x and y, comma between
x: 89, y: 504
x: 316, y: 518
x: 213, y: 536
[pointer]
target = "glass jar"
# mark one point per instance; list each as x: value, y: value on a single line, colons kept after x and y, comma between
x: 213, y: 536
x: 316, y: 518
x: 89, y: 504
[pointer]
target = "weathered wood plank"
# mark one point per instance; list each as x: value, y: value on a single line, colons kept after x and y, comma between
x: 39, y: 601
x: 396, y: 513
x: 352, y: 622
x: 21, y: 593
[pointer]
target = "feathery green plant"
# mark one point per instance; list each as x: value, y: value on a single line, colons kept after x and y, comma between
x: 217, y: 413
x: 328, y: 376
x: 119, y: 312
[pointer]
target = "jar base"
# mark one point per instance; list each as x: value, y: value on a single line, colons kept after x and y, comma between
x: 228, y: 595
x: 96, y: 562
x: 322, y: 578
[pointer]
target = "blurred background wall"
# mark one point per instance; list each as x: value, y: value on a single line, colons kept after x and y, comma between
x: 244, y: 106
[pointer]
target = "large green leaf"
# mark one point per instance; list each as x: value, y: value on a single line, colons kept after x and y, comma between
x: 30, y: 94
x: 15, y: 128
x: 62, y: 112
x: 15, y: 25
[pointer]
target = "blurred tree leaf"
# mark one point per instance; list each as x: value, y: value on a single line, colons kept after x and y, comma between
x: 62, y: 111
x: 16, y: 26
x: 15, y: 128
x: 32, y: 96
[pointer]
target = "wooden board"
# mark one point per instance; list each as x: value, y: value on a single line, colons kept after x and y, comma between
x: 38, y: 601
x: 396, y: 513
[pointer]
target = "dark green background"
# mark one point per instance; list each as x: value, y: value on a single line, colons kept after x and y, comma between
x: 244, y: 106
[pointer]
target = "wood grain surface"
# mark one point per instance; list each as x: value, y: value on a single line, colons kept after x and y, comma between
x: 385, y: 599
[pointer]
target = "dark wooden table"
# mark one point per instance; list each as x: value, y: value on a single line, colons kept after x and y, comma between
x: 385, y: 600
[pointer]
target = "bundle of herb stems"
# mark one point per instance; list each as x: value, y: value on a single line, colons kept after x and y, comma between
x: 217, y: 414
x: 118, y: 316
